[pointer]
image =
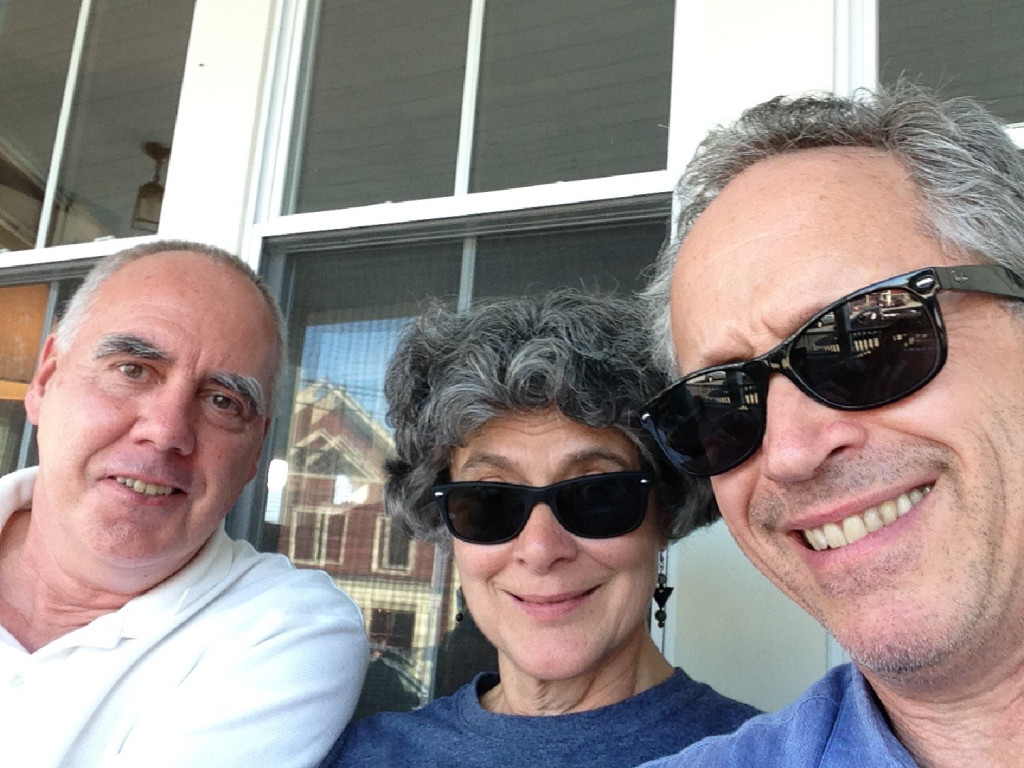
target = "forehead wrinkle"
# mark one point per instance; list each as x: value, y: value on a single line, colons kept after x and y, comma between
x: 246, y: 386
x: 767, y: 326
x: 128, y: 344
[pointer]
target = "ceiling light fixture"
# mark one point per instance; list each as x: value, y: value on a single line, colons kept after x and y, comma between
x: 150, y: 197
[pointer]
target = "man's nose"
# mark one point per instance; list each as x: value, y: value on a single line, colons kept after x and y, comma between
x: 166, y: 419
x: 801, y: 434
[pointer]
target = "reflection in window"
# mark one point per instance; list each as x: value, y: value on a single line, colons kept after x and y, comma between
x: 572, y: 90
x: 23, y: 320
x: 382, y: 118
x: 35, y: 49
x: 606, y: 258
x: 393, y: 547
x: 965, y: 49
x: 567, y: 90
x: 132, y: 67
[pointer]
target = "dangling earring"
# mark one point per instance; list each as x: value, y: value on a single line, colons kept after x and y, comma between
x: 459, y: 601
x: 661, y: 592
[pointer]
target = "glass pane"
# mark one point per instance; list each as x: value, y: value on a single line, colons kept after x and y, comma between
x: 127, y: 96
x: 572, y: 90
x: 609, y: 258
x: 324, y: 500
x: 35, y: 46
x: 382, y: 120
x: 965, y: 49
x: 22, y: 319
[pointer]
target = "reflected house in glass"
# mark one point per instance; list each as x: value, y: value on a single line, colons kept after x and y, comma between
x: 332, y: 517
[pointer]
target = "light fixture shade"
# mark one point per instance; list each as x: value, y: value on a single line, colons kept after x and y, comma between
x: 146, y: 216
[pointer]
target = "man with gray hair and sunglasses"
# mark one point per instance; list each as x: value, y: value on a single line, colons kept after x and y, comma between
x: 133, y: 631
x: 842, y: 304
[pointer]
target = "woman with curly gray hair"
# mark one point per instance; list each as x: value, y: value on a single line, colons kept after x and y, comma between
x: 518, y: 440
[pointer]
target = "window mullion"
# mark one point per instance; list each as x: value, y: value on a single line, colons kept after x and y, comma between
x: 470, y: 94
x: 467, y: 274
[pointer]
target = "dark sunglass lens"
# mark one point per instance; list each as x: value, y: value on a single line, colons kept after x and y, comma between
x: 869, y: 350
x: 712, y: 421
x: 485, y: 514
x: 601, y: 507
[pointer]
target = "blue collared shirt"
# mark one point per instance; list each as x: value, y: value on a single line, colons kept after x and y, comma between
x: 836, y: 723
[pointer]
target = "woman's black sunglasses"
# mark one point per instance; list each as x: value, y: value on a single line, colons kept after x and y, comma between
x: 592, y: 506
x: 868, y: 349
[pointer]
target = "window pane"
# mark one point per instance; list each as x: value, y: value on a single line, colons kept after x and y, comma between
x: 347, y: 309
x: 608, y: 258
x: 572, y: 90
x: 965, y: 49
x: 382, y: 121
x: 22, y: 319
x: 35, y: 45
x: 127, y: 95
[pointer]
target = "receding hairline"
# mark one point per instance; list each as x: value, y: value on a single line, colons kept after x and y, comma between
x: 83, y: 301
x: 235, y: 266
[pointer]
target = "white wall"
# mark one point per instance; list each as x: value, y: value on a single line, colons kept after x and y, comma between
x: 734, y: 630
x: 216, y: 136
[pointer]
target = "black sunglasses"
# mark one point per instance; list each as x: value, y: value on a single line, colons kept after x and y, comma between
x: 591, y: 506
x: 868, y: 349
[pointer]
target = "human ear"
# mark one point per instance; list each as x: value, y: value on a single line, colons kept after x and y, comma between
x: 41, y: 378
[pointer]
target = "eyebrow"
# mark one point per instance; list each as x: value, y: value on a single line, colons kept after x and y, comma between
x: 126, y: 344
x: 246, y: 387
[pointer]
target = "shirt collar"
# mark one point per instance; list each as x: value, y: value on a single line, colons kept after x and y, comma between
x: 861, y: 728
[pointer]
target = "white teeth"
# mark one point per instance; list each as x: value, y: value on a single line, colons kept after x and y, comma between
x: 888, y: 512
x: 903, y: 504
x: 833, y: 535
x: 816, y: 538
x: 147, y: 489
x: 872, y: 520
x: 856, y: 527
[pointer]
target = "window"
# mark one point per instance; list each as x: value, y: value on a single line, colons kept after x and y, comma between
x: 409, y: 101
x: 965, y: 49
x: 392, y: 547
x: 26, y: 315
x: 71, y: 166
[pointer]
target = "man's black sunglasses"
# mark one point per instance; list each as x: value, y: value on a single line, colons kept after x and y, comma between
x: 868, y: 349
x: 591, y: 506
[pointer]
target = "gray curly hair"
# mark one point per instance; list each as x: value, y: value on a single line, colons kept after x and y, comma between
x: 968, y: 172
x: 584, y: 354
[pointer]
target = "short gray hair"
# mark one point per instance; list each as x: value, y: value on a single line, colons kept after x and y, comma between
x: 80, y: 303
x: 967, y: 171
x: 584, y: 354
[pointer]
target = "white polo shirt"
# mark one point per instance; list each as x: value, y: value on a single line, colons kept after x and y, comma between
x: 239, y: 659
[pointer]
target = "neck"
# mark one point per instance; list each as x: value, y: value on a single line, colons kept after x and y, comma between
x: 39, y: 601
x: 978, y: 721
x: 631, y: 670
